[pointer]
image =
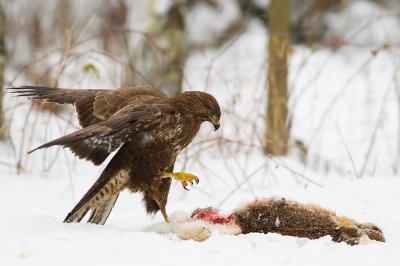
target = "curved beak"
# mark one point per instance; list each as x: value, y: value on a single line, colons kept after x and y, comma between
x: 216, y: 122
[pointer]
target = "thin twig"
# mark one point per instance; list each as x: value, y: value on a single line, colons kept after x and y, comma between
x: 242, y: 183
x: 378, y: 122
x: 348, y: 152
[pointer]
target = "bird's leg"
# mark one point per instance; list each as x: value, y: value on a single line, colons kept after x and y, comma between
x: 185, y: 178
x: 162, y: 209
x: 165, y: 215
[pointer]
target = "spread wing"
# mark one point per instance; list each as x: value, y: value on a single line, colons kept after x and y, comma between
x: 92, y: 106
x: 96, y: 142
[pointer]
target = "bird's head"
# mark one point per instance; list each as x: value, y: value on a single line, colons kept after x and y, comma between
x: 204, y: 107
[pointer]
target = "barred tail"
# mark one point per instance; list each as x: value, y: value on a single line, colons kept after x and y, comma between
x: 100, y: 198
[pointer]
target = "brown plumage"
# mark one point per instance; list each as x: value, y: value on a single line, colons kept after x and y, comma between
x: 147, y: 127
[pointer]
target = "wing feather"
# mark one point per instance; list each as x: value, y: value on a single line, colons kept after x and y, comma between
x: 53, y: 95
x: 92, y: 106
x: 96, y: 142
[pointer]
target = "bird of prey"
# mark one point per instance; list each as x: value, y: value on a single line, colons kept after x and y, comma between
x: 148, y: 129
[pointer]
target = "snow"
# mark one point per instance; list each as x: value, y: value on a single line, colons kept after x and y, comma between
x: 201, y: 26
x: 344, y: 106
x: 32, y: 232
x: 366, y: 23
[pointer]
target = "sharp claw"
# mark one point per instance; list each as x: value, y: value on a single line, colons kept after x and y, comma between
x: 185, y: 178
x: 185, y: 184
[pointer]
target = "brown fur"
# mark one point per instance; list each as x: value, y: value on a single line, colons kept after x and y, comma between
x: 288, y: 217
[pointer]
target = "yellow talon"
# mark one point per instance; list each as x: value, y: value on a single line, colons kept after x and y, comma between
x: 185, y: 178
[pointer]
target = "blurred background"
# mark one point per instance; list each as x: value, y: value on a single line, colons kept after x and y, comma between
x: 309, y: 89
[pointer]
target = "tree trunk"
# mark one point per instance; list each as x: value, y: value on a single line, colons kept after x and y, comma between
x: 2, y: 65
x: 277, y: 134
x: 115, y: 16
x: 161, y: 60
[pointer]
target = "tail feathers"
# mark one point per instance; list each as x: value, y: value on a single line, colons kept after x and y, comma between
x: 101, y: 213
x: 100, y: 200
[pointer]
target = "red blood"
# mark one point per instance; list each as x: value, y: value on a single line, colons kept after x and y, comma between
x: 213, y: 216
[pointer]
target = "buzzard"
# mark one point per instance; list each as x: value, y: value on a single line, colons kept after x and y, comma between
x: 148, y: 129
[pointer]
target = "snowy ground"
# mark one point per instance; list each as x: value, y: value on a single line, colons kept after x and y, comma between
x: 32, y: 231
x: 345, y: 110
